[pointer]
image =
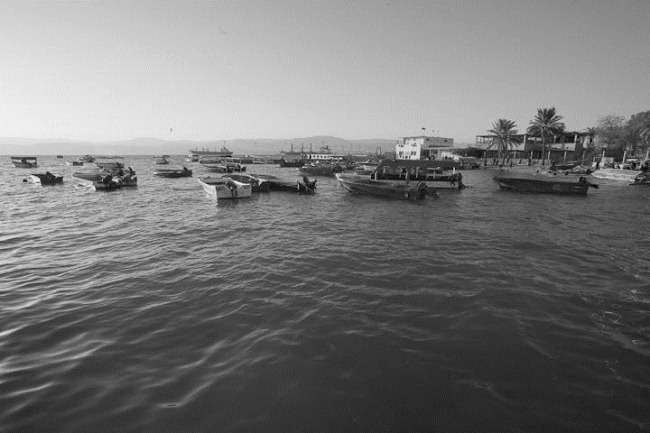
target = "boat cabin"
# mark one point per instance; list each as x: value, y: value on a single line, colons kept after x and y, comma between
x: 414, y: 169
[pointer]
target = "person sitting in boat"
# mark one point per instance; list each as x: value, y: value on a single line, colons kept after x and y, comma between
x: 308, y: 183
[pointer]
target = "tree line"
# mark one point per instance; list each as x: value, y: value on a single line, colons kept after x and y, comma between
x: 614, y: 134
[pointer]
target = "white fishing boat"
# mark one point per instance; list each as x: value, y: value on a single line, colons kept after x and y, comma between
x: 618, y: 174
x: 98, y: 181
x: 225, y: 188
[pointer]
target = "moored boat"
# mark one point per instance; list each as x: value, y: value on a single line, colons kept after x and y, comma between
x: 223, y: 188
x: 400, y: 191
x: 617, y: 174
x: 367, y: 167
x: 301, y: 185
x: 292, y: 163
x: 173, y: 172
x: 257, y: 184
x: 543, y: 183
x: 161, y: 159
x: 431, y: 173
x: 98, y: 181
x: 643, y: 178
x: 46, y: 179
x: 321, y: 169
x: 24, y: 161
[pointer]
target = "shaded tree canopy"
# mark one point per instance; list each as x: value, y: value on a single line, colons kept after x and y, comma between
x: 546, y: 124
x: 504, y: 136
x: 612, y: 135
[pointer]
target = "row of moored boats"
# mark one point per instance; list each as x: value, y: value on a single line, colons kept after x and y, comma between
x: 406, y: 180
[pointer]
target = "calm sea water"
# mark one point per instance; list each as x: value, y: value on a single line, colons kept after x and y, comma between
x: 157, y: 309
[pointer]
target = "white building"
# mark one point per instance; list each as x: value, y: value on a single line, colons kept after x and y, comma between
x: 423, y: 147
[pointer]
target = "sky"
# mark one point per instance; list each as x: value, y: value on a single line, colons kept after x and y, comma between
x: 219, y: 70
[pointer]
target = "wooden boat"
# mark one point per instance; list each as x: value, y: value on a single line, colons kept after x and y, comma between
x: 223, y: 188
x: 543, y: 183
x: 98, y: 181
x: 321, y: 169
x: 46, y: 179
x: 432, y: 174
x: 173, y: 172
x: 24, y: 161
x: 111, y: 165
x: 257, y: 184
x: 642, y: 178
x: 617, y: 174
x: 399, y: 191
x: 292, y: 163
x: 367, y: 167
x: 301, y: 185
x: 227, y: 165
x: 161, y: 159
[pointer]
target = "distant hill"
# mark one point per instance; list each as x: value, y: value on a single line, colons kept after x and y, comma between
x: 155, y: 146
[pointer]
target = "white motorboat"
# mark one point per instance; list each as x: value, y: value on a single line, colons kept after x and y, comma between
x: 225, y: 188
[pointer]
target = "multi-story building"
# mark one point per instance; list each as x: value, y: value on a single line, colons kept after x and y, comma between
x: 424, y: 147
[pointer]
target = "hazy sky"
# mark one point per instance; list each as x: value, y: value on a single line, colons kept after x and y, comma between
x: 99, y: 70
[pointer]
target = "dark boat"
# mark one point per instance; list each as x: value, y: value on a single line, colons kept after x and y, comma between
x: 542, y: 183
x: 24, y: 161
x: 301, y: 186
x: 173, y: 172
x: 642, y: 178
x: 395, y: 190
x: 321, y: 169
x: 46, y: 179
x: 292, y: 163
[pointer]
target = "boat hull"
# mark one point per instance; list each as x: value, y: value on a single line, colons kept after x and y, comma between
x: 46, y: 179
x: 543, y: 184
x: 24, y: 161
x: 321, y: 170
x: 104, y: 181
x: 362, y: 185
x: 300, y: 186
x: 615, y: 174
x: 257, y: 184
x: 223, y: 188
x: 173, y: 173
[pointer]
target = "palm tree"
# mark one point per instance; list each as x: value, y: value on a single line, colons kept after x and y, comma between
x: 504, y: 137
x: 545, y: 125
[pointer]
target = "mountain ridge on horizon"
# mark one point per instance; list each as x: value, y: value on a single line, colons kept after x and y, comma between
x: 157, y: 146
